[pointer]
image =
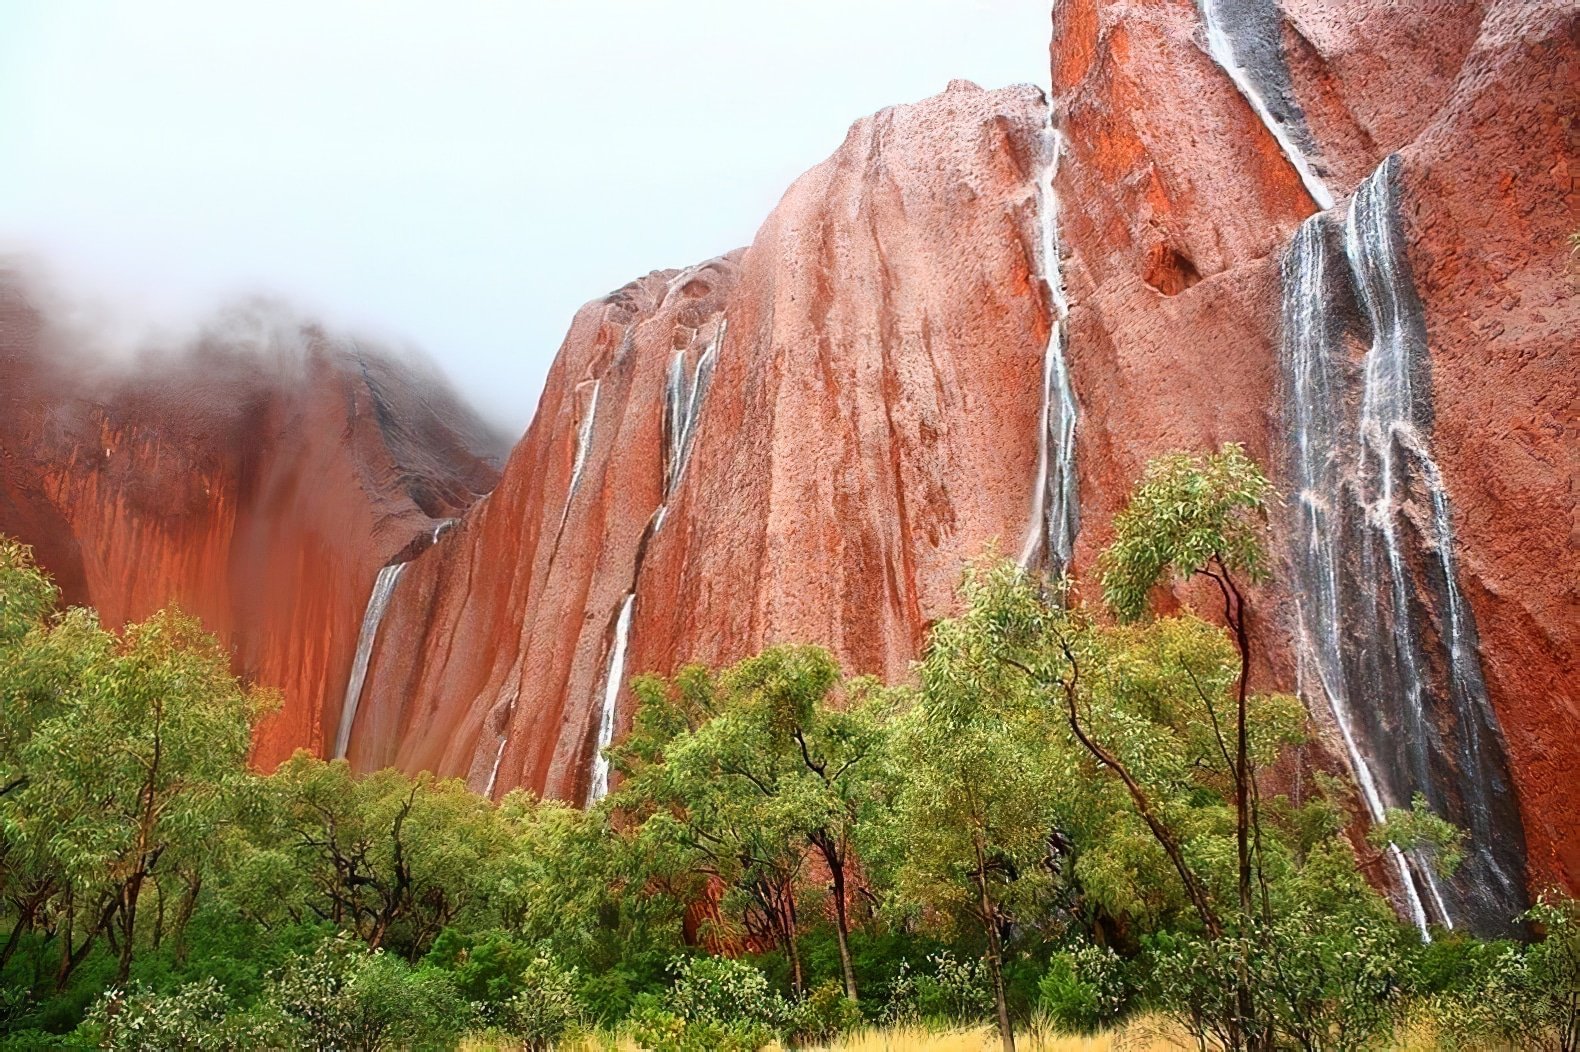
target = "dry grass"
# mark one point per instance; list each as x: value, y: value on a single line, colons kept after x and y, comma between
x: 985, y: 1039
x: 1141, y: 1036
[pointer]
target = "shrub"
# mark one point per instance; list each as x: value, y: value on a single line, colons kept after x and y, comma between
x: 197, y: 1017
x: 546, y: 1006
x: 1083, y: 990
x: 959, y: 990
x: 825, y: 1014
x: 718, y: 989
x: 1525, y: 996
x: 487, y: 967
x: 658, y: 1028
x: 345, y: 997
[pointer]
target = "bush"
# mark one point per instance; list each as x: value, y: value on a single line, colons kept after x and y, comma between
x: 718, y: 989
x: 959, y: 990
x: 1525, y: 996
x: 487, y: 967
x: 1083, y: 990
x: 345, y: 997
x: 658, y: 1028
x: 825, y: 1014
x: 546, y: 1006
x: 197, y: 1017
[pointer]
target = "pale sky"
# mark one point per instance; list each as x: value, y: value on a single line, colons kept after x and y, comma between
x: 457, y: 175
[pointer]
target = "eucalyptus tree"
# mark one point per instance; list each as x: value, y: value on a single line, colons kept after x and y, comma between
x: 392, y: 858
x: 124, y: 756
x: 748, y: 776
x: 974, y: 827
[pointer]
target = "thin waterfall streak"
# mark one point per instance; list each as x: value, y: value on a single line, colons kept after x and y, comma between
x: 583, y: 444
x: 683, y: 405
x: 678, y: 282
x: 1221, y: 47
x: 1412, y: 893
x: 493, y: 775
x: 1054, y: 498
x: 683, y: 415
x: 442, y: 527
x: 614, y: 679
x: 372, y: 615
x: 1034, y: 533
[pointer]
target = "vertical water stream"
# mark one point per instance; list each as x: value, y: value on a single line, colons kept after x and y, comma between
x: 372, y: 615
x: 1384, y: 630
x: 1055, y: 512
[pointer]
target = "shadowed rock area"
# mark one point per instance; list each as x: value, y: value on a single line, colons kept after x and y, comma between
x: 258, y: 478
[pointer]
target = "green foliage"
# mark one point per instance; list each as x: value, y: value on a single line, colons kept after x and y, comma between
x: 1084, y: 989
x: 27, y: 596
x: 956, y: 990
x: 1189, y: 514
x: 393, y: 858
x: 1050, y: 819
x: 344, y: 996
x: 197, y: 1017
x: 721, y: 990
x: 734, y: 782
x: 1527, y: 996
x: 1421, y: 831
x: 825, y: 1014
x: 546, y: 1006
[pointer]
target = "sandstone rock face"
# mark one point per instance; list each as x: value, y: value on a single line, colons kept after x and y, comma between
x: 258, y: 479
x: 870, y: 422
x: 1180, y: 193
x: 1332, y: 230
x: 877, y: 380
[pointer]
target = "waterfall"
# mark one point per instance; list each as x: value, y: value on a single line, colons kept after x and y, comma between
x: 1312, y: 352
x: 683, y: 400
x: 1384, y: 631
x: 583, y: 445
x: 493, y: 774
x: 1224, y: 51
x: 442, y: 527
x: 1055, y: 508
x: 614, y: 679
x: 1396, y: 457
x: 378, y: 602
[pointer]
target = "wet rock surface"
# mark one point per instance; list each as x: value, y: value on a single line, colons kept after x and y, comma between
x: 257, y: 478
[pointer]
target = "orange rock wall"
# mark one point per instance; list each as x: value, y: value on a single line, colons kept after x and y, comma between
x: 258, y: 491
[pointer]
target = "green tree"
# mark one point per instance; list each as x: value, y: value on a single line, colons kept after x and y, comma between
x: 392, y: 858
x: 739, y: 778
x: 974, y: 820
x: 123, y: 757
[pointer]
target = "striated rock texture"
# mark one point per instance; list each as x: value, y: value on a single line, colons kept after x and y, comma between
x: 258, y: 479
x: 871, y: 420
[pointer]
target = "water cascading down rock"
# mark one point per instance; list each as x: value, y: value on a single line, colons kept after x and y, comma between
x: 1385, y: 635
x: 683, y: 401
x: 1055, y: 514
x: 378, y: 602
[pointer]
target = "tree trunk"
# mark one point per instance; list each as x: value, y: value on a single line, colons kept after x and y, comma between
x: 836, y: 869
x: 129, y: 898
x: 842, y: 930
x: 789, y: 921
x: 989, y: 914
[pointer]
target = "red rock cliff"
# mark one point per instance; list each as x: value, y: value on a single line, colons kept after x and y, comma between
x: 877, y: 383
x: 258, y: 479
x: 867, y: 417
x: 1333, y: 230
